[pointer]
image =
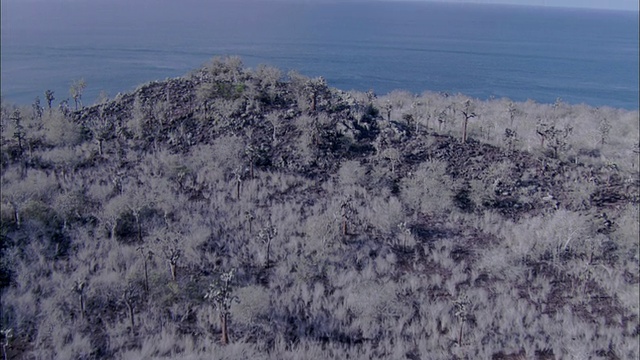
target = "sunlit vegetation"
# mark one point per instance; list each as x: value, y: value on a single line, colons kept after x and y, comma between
x: 241, y: 213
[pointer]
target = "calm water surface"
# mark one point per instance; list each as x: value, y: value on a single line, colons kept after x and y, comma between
x: 581, y: 56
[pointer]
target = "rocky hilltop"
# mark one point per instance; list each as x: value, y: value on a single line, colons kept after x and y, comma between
x: 244, y: 213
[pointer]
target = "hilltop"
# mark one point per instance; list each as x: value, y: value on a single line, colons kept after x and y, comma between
x: 245, y: 213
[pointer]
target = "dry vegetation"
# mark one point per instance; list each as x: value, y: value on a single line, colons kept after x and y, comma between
x: 236, y: 214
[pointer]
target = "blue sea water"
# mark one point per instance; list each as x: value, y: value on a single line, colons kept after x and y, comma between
x: 484, y: 51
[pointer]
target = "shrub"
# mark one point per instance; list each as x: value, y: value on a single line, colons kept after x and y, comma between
x: 425, y: 190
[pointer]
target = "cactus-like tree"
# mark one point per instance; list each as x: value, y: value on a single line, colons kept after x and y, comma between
x: 555, y: 138
x: 513, y: 111
x: 37, y: 108
x: 48, y: 95
x: 76, y: 90
x: 510, y: 139
x: 467, y: 110
x: 604, y: 128
x: 102, y: 130
x: 316, y: 88
x: 220, y: 293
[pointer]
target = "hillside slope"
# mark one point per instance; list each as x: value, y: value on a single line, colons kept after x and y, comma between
x: 238, y: 213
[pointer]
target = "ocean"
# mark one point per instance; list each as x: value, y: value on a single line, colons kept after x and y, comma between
x: 484, y: 51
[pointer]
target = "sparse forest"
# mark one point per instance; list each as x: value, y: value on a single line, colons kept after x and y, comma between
x: 238, y: 213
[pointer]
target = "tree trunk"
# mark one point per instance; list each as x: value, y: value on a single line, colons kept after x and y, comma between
x: 146, y: 277
x: 82, y: 314
x: 131, y: 319
x: 174, y: 270
x: 16, y: 215
x: 274, y: 131
x: 464, y: 130
x: 266, y: 265
x: 139, y: 227
x: 314, y: 99
x: 223, y: 325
